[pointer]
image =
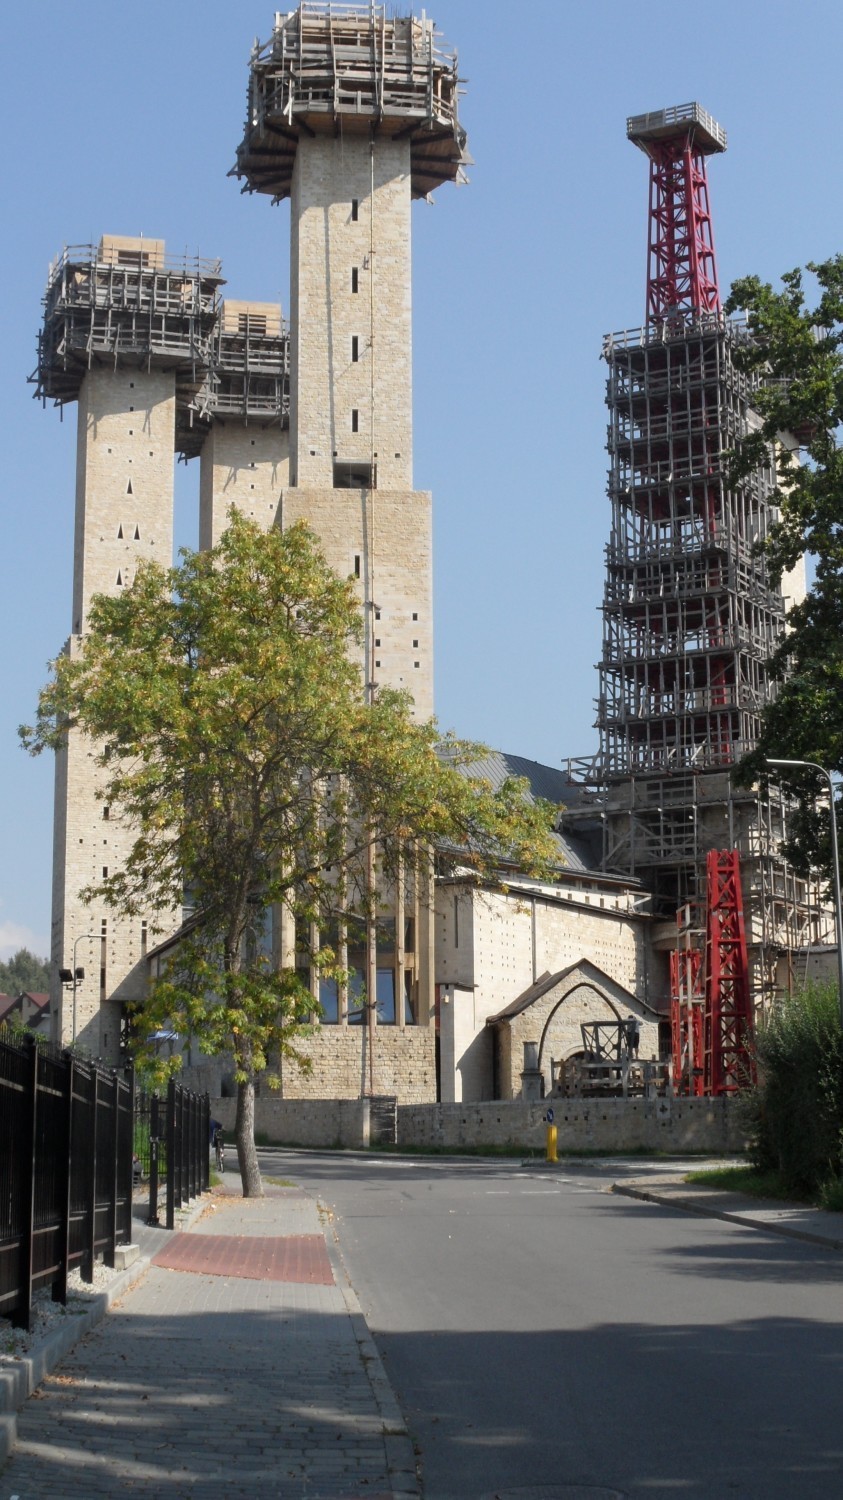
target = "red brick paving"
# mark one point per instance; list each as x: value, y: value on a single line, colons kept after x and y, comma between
x: 294, y: 1257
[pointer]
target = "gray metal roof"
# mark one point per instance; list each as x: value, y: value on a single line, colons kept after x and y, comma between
x: 553, y: 784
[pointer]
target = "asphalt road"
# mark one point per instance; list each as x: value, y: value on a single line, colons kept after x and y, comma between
x: 540, y: 1332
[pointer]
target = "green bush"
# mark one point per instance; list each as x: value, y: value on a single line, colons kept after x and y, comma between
x: 796, y: 1110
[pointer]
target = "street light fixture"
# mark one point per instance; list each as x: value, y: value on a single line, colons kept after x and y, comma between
x: 71, y: 977
x: 811, y: 765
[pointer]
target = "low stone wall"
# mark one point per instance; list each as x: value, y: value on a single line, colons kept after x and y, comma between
x: 657, y: 1125
x: 403, y: 1065
x: 302, y: 1122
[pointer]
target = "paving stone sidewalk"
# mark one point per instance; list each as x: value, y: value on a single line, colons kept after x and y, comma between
x: 222, y: 1386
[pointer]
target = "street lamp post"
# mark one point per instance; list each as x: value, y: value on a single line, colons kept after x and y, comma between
x: 77, y: 974
x: 811, y: 765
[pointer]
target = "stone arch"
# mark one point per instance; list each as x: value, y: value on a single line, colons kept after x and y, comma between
x: 581, y: 984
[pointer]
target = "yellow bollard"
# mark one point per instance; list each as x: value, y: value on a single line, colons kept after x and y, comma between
x: 551, y: 1143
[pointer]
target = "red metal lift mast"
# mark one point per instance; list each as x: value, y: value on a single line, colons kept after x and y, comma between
x: 681, y: 268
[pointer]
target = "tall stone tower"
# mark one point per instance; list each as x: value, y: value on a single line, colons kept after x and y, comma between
x: 126, y: 335
x: 351, y: 115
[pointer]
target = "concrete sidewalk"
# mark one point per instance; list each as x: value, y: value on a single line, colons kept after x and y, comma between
x: 239, y: 1365
x: 793, y: 1220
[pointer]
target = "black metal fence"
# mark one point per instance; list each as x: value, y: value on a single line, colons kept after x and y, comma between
x: 65, y: 1170
x: 172, y: 1147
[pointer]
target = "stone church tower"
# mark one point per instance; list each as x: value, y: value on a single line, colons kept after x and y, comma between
x: 351, y: 114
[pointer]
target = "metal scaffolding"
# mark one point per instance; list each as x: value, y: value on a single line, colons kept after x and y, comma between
x: 111, y: 304
x: 690, y: 614
x: 353, y: 69
x: 122, y: 303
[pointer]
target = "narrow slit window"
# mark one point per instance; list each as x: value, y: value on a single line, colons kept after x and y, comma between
x: 355, y: 419
x: 120, y: 533
x: 355, y: 348
x: 355, y: 210
x: 129, y: 490
x: 357, y: 565
x: 355, y: 279
x: 120, y: 580
x: 137, y: 533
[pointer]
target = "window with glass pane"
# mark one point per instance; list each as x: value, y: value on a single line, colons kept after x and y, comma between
x: 409, y: 1012
x: 386, y: 997
x: 356, y: 997
x: 329, y: 1000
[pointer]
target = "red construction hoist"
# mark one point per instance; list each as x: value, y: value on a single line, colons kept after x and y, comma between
x: 687, y: 1002
x: 729, y: 1063
x: 681, y: 268
x: 711, y: 1011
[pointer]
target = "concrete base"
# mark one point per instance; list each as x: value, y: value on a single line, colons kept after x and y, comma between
x: 125, y: 1256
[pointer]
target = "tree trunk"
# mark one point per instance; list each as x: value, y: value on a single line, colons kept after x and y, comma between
x: 244, y: 1130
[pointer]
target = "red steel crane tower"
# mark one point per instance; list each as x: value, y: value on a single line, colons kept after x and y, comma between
x: 690, y: 614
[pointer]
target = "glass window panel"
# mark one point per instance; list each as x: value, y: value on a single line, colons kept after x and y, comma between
x: 409, y: 1013
x: 386, y: 997
x: 330, y: 1001
x: 356, y: 997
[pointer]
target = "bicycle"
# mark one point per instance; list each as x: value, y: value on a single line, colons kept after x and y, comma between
x: 219, y: 1149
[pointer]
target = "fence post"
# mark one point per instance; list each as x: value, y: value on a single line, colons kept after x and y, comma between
x: 126, y: 1176
x: 184, y: 1192
x: 110, y: 1252
x: 59, y: 1288
x: 86, y: 1269
x: 205, y: 1143
x: 154, y: 1137
x: 189, y: 1182
x: 172, y: 1166
x: 21, y: 1316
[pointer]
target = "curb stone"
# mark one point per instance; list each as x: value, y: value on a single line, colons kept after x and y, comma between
x: 400, y: 1453
x: 19, y: 1381
x: 708, y: 1211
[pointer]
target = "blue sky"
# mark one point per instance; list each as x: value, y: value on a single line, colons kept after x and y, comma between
x: 124, y: 118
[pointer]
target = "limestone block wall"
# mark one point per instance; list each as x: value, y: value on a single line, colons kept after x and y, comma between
x: 302, y: 1122
x: 554, y: 1023
x: 404, y: 1064
x: 383, y: 538
x: 244, y: 465
x: 351, y: 310
x: 653, y: 1125
x: 492, y: 945
x: 124, y: 480
x: 124, y: 513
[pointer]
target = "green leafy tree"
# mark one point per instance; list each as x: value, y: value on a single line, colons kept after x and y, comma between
x: 235, y: 739
x: 795, y: 1113
x: 797, y: 350
x: 24, y: 972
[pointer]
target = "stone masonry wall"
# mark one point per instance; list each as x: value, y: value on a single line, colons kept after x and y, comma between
x: 124, y: 513
x: 351, y: 281
x: 554, y: 1022
x: 663, y: 1125
x: 245, y: 465
x: 384, y: 538
x: 403, y: 1060
x: 302, y: 1122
